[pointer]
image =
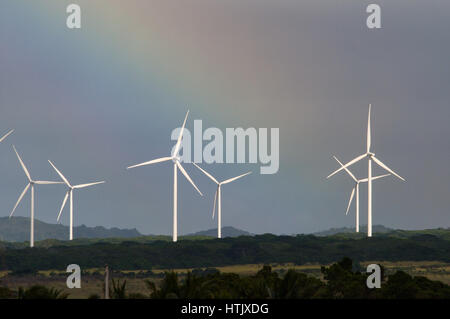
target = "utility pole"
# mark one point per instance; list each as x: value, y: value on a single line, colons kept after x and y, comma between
x: 106, y: 282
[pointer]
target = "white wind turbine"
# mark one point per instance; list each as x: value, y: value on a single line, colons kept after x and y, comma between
x: 6, y: 135
x: 176, y: 165
x: 218, y: 197
x: 356, y: 190
x: 70, y: 193
x: 31, y: 184
x: 370, y: 156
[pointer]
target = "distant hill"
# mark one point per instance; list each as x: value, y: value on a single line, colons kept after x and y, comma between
x: 15, y: 233
x: 17, y: 229
x: 345, y: 230
x: 227, y: 231
x: 382, y: 231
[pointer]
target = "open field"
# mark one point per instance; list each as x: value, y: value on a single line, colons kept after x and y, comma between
x: 89, y: 285
x: 92, y: 279
x: 430, y: 269
x: 250, y: 269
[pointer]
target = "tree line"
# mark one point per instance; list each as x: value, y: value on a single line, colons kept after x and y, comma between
x: 262, y: 249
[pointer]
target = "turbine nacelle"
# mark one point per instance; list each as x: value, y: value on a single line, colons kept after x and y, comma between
x: 176, y: 159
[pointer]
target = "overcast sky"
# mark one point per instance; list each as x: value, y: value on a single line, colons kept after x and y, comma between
x: 109, y: 95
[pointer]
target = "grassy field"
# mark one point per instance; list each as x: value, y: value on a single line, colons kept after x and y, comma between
x: 89, y: 285
x: 92, y: 279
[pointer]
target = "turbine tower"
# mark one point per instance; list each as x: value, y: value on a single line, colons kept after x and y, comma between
x: 176, y: 165
x: 31, y: 183
x: 70, y: 193
x: 218, y: 197
x: 356, y: 190
x: 370, y: 157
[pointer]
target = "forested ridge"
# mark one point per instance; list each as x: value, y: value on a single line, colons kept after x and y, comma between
x: 301, y: 249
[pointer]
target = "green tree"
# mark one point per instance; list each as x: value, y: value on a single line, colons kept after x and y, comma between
x: 342, y: 282
x: 41, y: 292
x: 399, y: 286
x: 119, y: 289
x: 6, y: 293
x: 296, y: 285
x: 169, y: 288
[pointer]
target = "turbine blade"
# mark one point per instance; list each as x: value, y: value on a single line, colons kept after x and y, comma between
x: 187, y: 176
x: 346, y: 169
x: 235, y: 178
x: 177, y: 146
x: 87, y: 185
x: 364, y: 180
x: 369, y: 137
x: 350, y: 201
x: 47, y: 183
x: 353, y: 161
x: 22, y: 164
x: 6, y: 135
x: 215, y: 201
x: 60, y: 174
x: 63, y: 204
x: 386, y: 168
x: 206, y: 173
x: 158, y: 160
x: 20, y: 198
x: 380, y: 176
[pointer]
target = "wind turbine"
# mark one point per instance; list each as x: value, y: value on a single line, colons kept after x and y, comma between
x: 370, y: 157
x: 31, y: 184
x: 6, y: 135
x: 356, y: 190
x: 218, y: 197
x: 70, y: 193
x: 176, y: 165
